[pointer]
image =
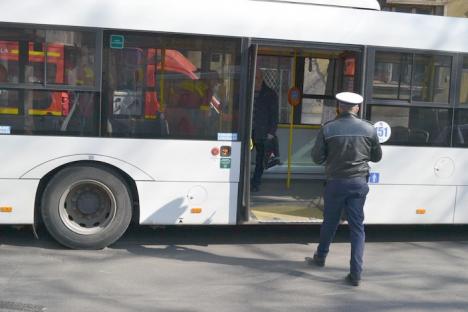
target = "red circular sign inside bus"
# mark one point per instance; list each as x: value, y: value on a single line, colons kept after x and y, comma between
x: 294, y: 96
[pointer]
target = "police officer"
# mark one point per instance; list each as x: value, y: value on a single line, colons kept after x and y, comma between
x: 346, y: 145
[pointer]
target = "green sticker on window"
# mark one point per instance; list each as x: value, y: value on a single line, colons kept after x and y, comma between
x: 225, y: 163
x: 116, y: 41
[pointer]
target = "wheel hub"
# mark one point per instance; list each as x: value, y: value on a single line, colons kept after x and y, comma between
x: 87, y: 207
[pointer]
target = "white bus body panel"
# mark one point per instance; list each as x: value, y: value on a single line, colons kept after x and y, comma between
x: 399, y: 204
x: 172, y: 202
x: 141, y: 159
x: 246, y: 18
x: 174, y: 169
x: 410, y: 178
x: 20, y: 196
x: 422, y: 165
x: 461, y: 208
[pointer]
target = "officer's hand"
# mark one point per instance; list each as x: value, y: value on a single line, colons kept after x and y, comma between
x: 270, y: 136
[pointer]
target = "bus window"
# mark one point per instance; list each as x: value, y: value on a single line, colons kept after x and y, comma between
x: 180, y: 87
x: 392, y: 76
x: 319, y: 88
x: 415, y: 126
x: 464, y: 82
x: 320, y: 73
x: 77, y: 115
x: 22, y: 54
x: 34, y: 60
x: 460, y: 127
x: 411, y: 77
x: 9, y: 102
x: 431, y: 78
x: 71, y: 57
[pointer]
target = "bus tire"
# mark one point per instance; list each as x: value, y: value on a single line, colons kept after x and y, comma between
x: 86, y: 207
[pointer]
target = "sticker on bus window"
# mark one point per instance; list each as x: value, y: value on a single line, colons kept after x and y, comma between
x: 117, y: 41
x: 5, y: 129
x: 225, y: 151
x: 374, y: 177
x: 225, y: 163
x: 227, y: 136
x: 383, y: 131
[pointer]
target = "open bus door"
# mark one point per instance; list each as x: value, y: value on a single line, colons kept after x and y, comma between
x: 291, y: 191
x: 248, y: 144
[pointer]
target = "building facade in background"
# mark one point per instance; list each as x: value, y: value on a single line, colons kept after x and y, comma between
x: 455, y: 8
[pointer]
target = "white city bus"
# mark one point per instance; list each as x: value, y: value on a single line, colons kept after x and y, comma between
x: 141, y: 110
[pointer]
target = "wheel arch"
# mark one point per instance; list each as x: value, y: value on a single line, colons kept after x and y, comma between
x: 44, y: 181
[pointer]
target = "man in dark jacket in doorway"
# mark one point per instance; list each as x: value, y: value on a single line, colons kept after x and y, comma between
x: 265, y: 122
x: 346, y: 145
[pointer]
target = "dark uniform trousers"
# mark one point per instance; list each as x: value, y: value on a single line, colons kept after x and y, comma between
x: 348, y: 194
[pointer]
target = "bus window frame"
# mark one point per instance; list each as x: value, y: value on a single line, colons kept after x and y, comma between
x: 60, y: 87
x: 160, y: 38
x: 370, y: 67
x: 359, y: 50
x: 53, y: 88
x: 453, y: 103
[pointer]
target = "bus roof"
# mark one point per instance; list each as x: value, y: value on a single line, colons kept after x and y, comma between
x: 358, y: 4
x: 253, y: 19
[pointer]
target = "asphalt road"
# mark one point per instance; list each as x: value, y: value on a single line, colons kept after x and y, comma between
x: 245, y: 268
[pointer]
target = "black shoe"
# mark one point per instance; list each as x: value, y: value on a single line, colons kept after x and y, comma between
x: 351, y: 280
x: 316, y: 260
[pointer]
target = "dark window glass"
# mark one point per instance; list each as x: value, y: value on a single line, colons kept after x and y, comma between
x: 460, y: 128
x: 33, y: 60
x: 464, y: 82
x: 403, y: 9
x: 428, y: 10
x: 415, y: 126
x: 439, y: 10
x: 431, y: 78
x: 415, y: 77
x: 392, y: 76
x: 71, y: 57
x: 181, y: 87
x: 48, y: 112
x: 22, y: 55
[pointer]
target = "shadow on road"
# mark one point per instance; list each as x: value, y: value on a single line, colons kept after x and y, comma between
x: 277, y: 234
x: 246, y: 234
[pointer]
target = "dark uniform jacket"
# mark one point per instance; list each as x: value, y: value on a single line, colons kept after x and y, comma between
x: 345, y: 145
x: 265, y: 114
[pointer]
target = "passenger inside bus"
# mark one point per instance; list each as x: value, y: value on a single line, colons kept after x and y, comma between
x: 77, y: 71
x: 193, y: 109
x: 3, y: 74
x: 265, y: 123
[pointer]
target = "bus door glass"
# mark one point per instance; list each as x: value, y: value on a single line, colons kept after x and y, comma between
x: 291, y: 187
